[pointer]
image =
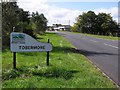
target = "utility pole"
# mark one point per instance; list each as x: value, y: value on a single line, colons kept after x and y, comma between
x: 68, y: 22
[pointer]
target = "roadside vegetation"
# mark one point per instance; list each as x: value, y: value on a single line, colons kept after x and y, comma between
x: 96, y: 24
x: 99, y: 36
x: 68, y: 68
x: 18, y: 20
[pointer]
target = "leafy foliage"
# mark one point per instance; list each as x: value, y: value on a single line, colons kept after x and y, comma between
x: 39, y: 23
x: 101, y: 24
x: 13, y: 16
x: 9, y: 20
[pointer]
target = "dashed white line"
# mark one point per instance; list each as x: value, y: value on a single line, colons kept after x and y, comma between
x: 110, y: 45
x: 93, y: 41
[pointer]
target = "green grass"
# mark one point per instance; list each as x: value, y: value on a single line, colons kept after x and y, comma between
x: 68, y: 68
x: 99, y: 36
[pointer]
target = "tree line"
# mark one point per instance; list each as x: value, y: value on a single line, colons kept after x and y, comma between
x: 15, y: 18
x: 101, y: 24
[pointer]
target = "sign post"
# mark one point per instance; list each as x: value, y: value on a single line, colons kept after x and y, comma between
x: 21, y: 42
x: 14, y: 60
x: 48, y: 55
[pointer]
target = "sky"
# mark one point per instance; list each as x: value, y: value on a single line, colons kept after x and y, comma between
x: 66, y: 11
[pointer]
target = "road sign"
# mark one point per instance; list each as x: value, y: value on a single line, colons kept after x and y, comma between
x: 21, y: 42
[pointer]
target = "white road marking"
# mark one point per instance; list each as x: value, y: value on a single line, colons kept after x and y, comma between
x: 93, y: 41
x: 110, y: 45
x: 84, y: 38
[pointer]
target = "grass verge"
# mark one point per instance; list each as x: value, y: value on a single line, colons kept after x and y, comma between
x: 99, y: 36
x: 68, y: 68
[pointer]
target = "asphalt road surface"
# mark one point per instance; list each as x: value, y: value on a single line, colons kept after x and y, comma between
x: 103, y: 53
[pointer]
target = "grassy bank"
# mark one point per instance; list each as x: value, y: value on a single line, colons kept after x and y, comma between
x: 68, y: 68
x: 99, y: 36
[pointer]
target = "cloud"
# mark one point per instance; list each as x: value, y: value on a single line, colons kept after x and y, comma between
x: 62, y: 15
x: 55, y: 14
x: 31, y: 5
x: 112, y: 11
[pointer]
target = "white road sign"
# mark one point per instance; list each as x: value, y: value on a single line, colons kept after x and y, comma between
x: 21, y: 42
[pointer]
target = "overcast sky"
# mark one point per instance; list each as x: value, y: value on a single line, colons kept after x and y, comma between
x: 63, y: 11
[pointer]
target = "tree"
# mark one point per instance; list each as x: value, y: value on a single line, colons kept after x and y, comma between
x: 39, y: 23
x: 101, y: 24
x: 87, y: 22
x: 75, y: 28
x: 9, y: 20
x: 103, y: 20
x: 13, y: 16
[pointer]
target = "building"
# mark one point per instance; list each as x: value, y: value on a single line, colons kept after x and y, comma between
x: 60, y: 27
x: 66, y: 27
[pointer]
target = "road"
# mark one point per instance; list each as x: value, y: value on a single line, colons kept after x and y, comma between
x: 103, y: 53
